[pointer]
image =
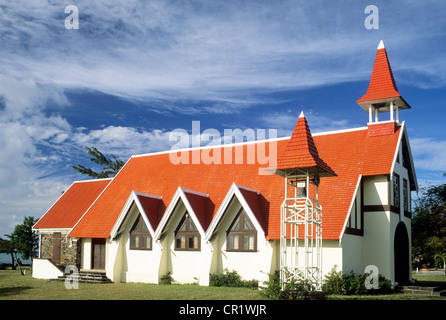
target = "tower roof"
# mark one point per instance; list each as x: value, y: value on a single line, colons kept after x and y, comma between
x: 382, y: 88
x: 301, y: 155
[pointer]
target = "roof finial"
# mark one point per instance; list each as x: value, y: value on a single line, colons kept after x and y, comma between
x: 302, y: 114
x: 381, y: 45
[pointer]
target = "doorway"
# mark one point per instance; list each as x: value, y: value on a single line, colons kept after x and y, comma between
x: 57, y: 243
x: 98, y: 254
x: 401, y: 254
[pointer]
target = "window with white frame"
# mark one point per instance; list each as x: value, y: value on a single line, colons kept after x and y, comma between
x: 140, y: 238
x: 187, y: 236
x: 241, y: 236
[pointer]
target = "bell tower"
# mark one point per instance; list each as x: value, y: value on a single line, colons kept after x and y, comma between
x: 301, y: 213
x: 382, y: 95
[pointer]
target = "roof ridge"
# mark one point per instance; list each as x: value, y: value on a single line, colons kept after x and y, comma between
x: 147, y: 195
x: 197, y: 193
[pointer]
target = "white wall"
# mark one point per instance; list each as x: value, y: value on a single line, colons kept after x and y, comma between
x: 86, y: 253
x: 186, y: 266
x: 45, y: 269
x: 125, y: 265
x: 249, y: 265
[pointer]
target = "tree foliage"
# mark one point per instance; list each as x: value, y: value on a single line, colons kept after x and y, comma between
x: 429, y: 225
x: 110, y: 166
x: 22, y: 240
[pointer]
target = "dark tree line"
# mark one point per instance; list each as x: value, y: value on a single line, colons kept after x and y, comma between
x: 21, y: 241
x: 429, y: 227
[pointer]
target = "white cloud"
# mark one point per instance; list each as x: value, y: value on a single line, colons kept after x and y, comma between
x: 123, y: 141
x: 429, y: 154
x: 285, y: 122
x: 201, y: 49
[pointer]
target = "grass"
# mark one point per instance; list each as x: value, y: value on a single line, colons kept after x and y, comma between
x: 420, y: 280
x: 14, y: 286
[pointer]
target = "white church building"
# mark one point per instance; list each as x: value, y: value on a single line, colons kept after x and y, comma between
x: 333, y: 198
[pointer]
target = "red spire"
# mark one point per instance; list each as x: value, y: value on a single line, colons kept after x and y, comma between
x: 301, y: 153
x: 382, y: 87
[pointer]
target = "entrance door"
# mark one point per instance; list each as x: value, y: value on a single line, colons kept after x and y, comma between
x: 56, y: 248
x: 401, y: 254
x: 98, y: 254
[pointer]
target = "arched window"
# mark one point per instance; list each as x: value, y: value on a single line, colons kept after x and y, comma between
x: 241, y: 236
x: 140, y: 238
x: 187, y: 236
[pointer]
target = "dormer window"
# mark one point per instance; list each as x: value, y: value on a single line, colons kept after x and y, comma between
x: 187, y: 237
x: 241, y: 236
x: 140, y: 238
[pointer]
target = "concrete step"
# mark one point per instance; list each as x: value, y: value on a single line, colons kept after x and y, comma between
x: 86, y: 277
x: 430, y: 291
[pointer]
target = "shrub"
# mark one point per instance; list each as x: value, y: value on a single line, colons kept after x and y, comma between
x: 353, y: 283
x: 230, y: 279
x: 350, y: 284
x: 294, y: 290
x: 167, y: 278
x: 272, y: 288
x: 333, y: 283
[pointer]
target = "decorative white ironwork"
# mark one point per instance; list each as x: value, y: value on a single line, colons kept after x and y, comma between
x: 301, y: 233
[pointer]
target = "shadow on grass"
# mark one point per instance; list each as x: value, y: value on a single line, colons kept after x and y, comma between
x: 10, y: 291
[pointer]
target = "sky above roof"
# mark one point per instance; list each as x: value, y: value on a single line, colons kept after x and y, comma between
x: 136, y: 70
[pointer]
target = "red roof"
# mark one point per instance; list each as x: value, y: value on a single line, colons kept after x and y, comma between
x: 72, y: 204
x: 153, y: 208
x: 200, y: 205
x: 382, y: 83
x: 349, y: 154
x: 301, y: 152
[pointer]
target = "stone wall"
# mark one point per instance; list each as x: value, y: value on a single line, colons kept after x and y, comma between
x: 69, y: 251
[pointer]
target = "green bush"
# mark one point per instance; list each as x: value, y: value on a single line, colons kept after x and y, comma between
x: 230, y: 279
x: 333, y: 283
x: 294, y: 290
x: 272, y: 288
x: 167, y: 278
x: 350, y: 284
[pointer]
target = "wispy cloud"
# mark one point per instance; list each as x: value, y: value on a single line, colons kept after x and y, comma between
x: 429, y: 154
x: 200, y: 49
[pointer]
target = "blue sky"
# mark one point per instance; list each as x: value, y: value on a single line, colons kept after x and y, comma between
x: 136, y: 70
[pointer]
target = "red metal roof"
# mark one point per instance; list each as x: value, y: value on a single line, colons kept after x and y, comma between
x: 301, y: 152
x: 382, y: 83
x: 349, y: 154
x: 153, y: 208
x: 73, y: 203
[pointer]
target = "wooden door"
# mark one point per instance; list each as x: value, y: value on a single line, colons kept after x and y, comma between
x: 98, y: 254
x: 56, y: 248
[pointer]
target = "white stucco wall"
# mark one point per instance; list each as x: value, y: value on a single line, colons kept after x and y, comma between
x: 86, y: 253
x: 249, y: 265
x: 186, y: 266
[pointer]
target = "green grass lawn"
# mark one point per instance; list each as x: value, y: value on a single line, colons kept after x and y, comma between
x: 14, y: 286
x: 17, y: 287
